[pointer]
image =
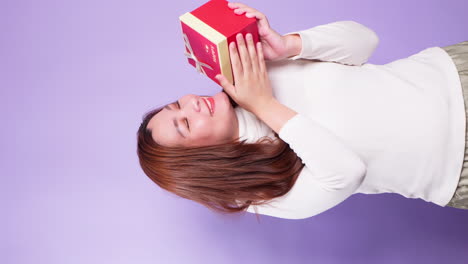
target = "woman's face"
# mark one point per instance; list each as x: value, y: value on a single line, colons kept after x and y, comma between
x: 205, y: 127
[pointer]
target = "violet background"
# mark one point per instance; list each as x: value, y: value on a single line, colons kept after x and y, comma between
x: 76, y: 78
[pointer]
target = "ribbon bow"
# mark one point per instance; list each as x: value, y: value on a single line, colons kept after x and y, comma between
x: 190, y: 55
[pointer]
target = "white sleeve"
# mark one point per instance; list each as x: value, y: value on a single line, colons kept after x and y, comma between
x: 345, y: 42
x: 332, y: 171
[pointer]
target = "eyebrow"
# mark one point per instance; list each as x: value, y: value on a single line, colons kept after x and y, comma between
x: 174, y: 122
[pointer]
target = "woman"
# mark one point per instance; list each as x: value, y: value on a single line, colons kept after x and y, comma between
x: 293, y: 138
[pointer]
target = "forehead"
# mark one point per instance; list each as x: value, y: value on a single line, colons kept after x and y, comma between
x: 163, y: 130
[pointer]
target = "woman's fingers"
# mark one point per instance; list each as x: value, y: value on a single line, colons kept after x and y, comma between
x: 244, y: 54
x: 239, y: 11
x: 248, y: 12
x: 261, y: 59
x: 227, y: 86
x: 241, y: 8
x: 235, y: 5
x: 252, y: 52
x: 240, y: 5
x: 235, y: 61
x: 247, y: 57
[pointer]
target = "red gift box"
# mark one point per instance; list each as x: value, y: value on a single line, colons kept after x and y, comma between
x: 207, y: 32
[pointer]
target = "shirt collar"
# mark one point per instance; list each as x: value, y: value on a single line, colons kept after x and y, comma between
x: 251, y: 128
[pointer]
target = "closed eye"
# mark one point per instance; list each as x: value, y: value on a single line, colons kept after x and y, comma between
x: 186, y: 120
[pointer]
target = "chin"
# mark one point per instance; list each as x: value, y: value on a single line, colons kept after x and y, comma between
x: 231, y: 101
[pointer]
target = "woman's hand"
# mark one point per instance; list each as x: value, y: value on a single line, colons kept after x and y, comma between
x: 252, y: 90
x: 274, y: 45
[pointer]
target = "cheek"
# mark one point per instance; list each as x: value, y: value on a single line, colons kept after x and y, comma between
x: 202, y: 126
x: 226, y: 124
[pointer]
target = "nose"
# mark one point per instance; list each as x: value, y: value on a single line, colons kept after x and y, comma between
x: 192, y: 105
x: 196, y: 104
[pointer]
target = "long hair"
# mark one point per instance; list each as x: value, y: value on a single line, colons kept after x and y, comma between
x: 226, y: 178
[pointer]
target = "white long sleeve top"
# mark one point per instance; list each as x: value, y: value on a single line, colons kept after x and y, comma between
x: 364, y: 128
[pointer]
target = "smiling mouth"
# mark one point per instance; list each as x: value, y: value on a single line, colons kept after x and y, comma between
x: 208, y: 104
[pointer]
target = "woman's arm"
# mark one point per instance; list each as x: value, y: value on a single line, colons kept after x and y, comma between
x: 293, y: 44
x: 345, y: 42
x: 332, y: 172
x: 274, y: 114
x: 316, y: 145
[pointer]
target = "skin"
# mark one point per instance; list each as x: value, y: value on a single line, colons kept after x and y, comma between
x: 204, y: 128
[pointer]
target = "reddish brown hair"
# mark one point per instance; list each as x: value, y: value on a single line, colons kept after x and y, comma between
x: 226, y: 178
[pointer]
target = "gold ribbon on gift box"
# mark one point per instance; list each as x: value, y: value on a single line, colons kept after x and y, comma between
x: 191, y: 55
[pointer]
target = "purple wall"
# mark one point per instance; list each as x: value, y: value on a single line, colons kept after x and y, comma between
x: 76, y: 78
